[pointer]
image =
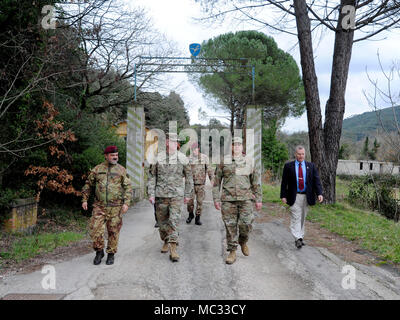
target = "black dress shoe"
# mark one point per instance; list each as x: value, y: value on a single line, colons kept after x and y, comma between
x: 110, y: 259
x: 98, y: 257
x: 197, y: 220
x: 302, y: 242
x: 156, y: 225
x: 298, y: 243
x: 190, y: 218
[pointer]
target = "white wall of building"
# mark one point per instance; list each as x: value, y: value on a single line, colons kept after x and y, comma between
x: 362, y: 167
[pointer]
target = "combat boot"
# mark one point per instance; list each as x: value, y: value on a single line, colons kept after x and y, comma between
x: 99, y: 256
x: 190, y: 218
x: 197, y: 220
x: 165, y: 247
x: 231, y: 257
x: 173, y: 254
x: 245, y: 248
x: 110, y: 259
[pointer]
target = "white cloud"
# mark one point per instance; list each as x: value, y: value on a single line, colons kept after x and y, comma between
x: 174, y: 18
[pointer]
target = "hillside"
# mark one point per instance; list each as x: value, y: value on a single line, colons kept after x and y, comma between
x: 357, y: 127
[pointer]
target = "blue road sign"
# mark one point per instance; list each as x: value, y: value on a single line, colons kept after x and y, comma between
x: 195, y: 49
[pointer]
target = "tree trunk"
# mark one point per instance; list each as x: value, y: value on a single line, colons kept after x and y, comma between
x: 335, y: 106
x: 324, y: 142
x: 310, y: 81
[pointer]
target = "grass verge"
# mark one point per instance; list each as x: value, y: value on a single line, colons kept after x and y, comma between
x: 30, y: 246
x: 55, y: 228
x: 370, y: 230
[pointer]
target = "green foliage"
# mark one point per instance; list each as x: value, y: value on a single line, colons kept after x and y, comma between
x: 160, y: 110
x: 376, y: 193
x: 274, y: 152
x: 8, y: 195
x: 357, y: 127
x: 344, y: 152
x: 278, y: 85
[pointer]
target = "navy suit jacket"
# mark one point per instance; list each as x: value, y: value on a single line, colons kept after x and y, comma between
x: 289, y: 183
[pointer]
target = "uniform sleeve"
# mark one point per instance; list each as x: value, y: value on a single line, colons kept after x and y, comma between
x: 151, y: 181
x: 90, y: 181
x: 255, y: 186
x: 187, y: 170
x: 127, y: 186
x: 217, y: 184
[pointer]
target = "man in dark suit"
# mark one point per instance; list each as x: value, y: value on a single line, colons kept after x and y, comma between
x: 300, y: 184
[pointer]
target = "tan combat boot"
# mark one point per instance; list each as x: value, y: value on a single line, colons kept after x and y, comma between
x: 245, y: 249
x: 173, y: 254
x: 165, y: 247
x: 231, y: 257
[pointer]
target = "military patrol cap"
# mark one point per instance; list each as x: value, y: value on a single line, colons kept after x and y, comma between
x: 194, y: 145
x: 237, y: 140
x: 111, y: 149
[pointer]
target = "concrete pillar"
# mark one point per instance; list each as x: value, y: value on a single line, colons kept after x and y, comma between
x: 253, y: 126
x: 135, y: 150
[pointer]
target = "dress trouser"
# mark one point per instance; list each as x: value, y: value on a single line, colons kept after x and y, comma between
x: 298, y: 213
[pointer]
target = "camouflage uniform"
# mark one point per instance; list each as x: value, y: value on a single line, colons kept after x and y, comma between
x: 200, y: 168
x: 165, y: 184
x: 113, y: 189
x: 239, y: 183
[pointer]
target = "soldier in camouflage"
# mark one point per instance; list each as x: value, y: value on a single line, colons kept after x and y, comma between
x: 200, y: 168
x: 165, y: 188
x: 113, y: 195
x: 240, y: 187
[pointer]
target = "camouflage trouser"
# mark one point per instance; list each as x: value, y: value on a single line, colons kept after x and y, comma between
x: 237, y: 215
x: 168, y: 211
x: 199, y: 193
x: 102, y: 217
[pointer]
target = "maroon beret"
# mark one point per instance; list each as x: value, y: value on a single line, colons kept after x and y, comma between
x: 111, y: 149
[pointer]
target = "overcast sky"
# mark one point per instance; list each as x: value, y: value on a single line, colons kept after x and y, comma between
x: 174, y: 18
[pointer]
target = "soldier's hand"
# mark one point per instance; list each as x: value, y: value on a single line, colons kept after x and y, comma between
x: 186, y: 200
x: 217, y: 205
x: 124, y: 208
x: 258, y: 206
x: 152, y: 200
x: 84, y: 205
x: 284, y: 200
x: 320, y: 198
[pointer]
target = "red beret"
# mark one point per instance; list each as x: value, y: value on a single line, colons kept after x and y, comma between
x: 111, y: 149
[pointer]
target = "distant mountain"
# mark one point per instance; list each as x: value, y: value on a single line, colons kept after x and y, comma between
x: 359, y: 126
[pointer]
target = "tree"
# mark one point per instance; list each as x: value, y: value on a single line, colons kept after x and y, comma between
x: 365, y: 150
x: 344, y: 151
x: 159, y: 110
x: 274, y: 152
x: 383, y: 96
x: 278, y: 87
x: 372, y: 17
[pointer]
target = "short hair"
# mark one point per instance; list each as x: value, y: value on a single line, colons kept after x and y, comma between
x: 299, y: 147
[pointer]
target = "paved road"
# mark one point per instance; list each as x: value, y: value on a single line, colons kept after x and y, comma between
x: 275, y: 269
